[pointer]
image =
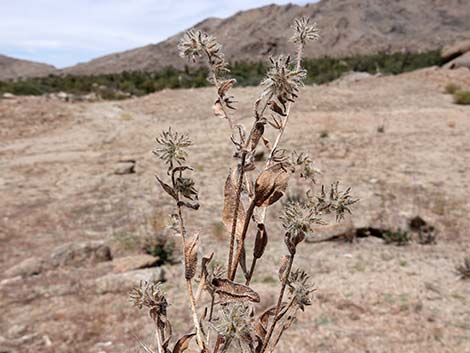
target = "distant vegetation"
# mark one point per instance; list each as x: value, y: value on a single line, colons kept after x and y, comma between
x: 116, y: 86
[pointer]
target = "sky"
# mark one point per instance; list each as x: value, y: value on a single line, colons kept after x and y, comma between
x: 65, y: 32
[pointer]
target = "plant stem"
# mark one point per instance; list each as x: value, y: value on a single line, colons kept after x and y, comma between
x: 252, y: 270
x: 159, y: 340
x: 279, y: 303
x: 189, y: 285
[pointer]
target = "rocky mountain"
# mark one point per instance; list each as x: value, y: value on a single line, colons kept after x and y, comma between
x: 347, y: 27
x: 11, y: 68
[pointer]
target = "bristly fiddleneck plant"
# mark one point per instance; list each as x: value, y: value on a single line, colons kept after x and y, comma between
x: 228, y: 322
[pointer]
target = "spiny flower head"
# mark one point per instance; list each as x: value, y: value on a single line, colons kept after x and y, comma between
x: 171, y: 147
x: 300, y: 287
x: 194, y: 44
x: 150, y: 295
x: 304, y: 32
x: 282, y: 81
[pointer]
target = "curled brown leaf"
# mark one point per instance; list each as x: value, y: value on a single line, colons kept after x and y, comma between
x: 232, y: 292
x: 271, y: 185
x: 230, y: 199
x: 261, y: 241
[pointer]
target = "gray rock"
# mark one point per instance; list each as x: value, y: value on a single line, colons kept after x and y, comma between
x: 123, y: 282
x: 29, y: 267
x: 79, y: 254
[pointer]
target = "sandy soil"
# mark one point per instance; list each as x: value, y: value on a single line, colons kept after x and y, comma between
x: 57, y: 185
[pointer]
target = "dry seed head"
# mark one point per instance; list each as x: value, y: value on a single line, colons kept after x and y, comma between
x: 150, y: 295
x: 194, y: 44
x: 334, y: 200
x: 171, y: 147
x: 301, y: 288
x: 185, y: 186
x: 282, y: 81
x: 304, y: 32
x: 235, y: 324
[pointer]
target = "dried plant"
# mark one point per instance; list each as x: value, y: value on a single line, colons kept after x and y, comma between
x: 227, y: 321
x: 464, y: 269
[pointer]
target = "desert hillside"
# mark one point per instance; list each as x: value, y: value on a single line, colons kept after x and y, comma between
x: 11, y: 68
x: 70, y: 203
x: 347, y: 27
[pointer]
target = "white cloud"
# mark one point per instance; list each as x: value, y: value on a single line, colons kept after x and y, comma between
x: 67, y: 31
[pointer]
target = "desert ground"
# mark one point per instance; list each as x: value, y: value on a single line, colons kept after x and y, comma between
x: 58, y: 187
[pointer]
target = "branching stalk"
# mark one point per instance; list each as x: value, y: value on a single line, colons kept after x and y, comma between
x: 279, y: 303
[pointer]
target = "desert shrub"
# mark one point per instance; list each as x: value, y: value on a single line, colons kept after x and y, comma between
x: 463, y: 269
x: 396, y: 237
x: 222, y: 307
x: 451, y: 88
x: 138, y: 83
x: 161, y: 245
x: 462, y: 97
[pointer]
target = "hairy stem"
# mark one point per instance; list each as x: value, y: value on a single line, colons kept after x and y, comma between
x: 279, y: 304
x: 189, y: 285
x: 159, y: 341
x: 289, y: 106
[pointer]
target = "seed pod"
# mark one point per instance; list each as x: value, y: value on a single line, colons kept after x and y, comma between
x: 230, y: 197
x: 231, y: 292
x: 261, y: 241
x: 190, y: 257
x: 283, y: 266
x: 257, y: 133
x: 271, y: 185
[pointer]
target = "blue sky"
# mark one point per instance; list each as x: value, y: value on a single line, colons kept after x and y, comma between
x: 65, y: 32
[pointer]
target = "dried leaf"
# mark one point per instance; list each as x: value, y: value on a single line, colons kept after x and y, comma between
x: 276, y: 108
x: 231, y: 292
x: 167, y: 188
x: 225, y: 86
x: 283, y: 266
x: 271, y: 185
x: 183, y: 343
x: 261, y: 241
x: 267, y: 144
x: 230, y: 197
x: 218, y: 109
x: 190, y: 256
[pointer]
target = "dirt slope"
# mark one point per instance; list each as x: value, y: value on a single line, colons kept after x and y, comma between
x: 11, y: 68
x: 347, y: 27
x: 57, y: 185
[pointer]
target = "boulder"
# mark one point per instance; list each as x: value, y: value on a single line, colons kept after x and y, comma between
x: 455, y: 50
x: 135, y: 262
x: 29, y: 267
x: 79, y: 254
x: 459, y: 62
x: 123, y: 282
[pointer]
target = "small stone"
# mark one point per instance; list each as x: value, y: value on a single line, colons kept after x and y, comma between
x: 135, y: 262
x: 81, y: 253
x: 7, y: 95
x: 124, y: 167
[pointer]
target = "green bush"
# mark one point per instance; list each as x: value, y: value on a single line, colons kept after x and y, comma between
x: 451, y: 88
x: 462, y: 97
